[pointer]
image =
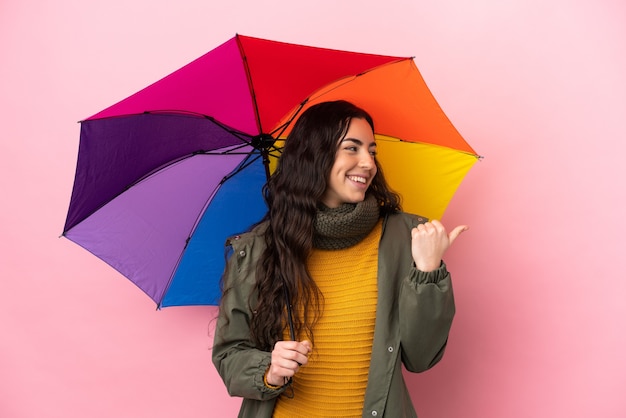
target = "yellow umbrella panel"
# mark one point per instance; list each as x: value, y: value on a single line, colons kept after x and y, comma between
x: 426, y: 176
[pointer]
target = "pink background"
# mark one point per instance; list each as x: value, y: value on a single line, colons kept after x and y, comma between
x: 537, y: 87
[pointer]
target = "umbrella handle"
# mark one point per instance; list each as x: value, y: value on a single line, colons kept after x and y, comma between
x: 292, y: 334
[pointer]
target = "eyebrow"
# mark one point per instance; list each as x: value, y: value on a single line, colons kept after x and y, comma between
x: 358, y: 142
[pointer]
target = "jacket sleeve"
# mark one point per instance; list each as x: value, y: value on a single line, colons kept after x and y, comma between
x: 427, y: 308
x: 240, y: 364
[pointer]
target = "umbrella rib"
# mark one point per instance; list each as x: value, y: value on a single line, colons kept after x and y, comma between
x: 244, y: 60
x: 137, y: 181
x: 340, y: 82
x: 231, y: 151
x: 388, y: 138
x: 174, y: 112
x: 246, y: 163
x: 282, y: 128
x: 246, y: 139
x: 242, y: 136
x: 347, y: 79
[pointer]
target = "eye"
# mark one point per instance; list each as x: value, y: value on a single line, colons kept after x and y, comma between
x: 351, y: 148
x: 373, y: 152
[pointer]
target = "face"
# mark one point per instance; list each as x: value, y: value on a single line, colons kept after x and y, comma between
x: 354, y: 166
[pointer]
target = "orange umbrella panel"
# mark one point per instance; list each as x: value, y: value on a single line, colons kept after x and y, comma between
x: 423, y: 155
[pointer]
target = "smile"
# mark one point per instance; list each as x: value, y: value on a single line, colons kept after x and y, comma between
x: 358, y: 179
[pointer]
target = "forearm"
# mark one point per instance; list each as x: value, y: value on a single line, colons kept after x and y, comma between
x: 426, y: 313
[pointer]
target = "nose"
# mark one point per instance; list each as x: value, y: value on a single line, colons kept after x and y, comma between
x: 367, y: 161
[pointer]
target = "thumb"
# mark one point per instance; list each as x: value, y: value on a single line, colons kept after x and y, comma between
x: 456, y: 232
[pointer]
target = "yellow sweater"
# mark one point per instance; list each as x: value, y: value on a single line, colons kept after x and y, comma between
x: 334, y: 381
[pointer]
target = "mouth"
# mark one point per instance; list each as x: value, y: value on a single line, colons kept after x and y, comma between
x: 358, y: 179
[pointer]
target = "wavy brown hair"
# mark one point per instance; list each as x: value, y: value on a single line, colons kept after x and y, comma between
x: 293, y: 194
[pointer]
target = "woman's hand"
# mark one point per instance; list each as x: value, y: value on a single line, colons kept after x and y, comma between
x: 287, y: 358
x: 430, y: 241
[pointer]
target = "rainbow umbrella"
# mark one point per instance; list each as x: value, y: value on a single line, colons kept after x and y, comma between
x: 164, y: 176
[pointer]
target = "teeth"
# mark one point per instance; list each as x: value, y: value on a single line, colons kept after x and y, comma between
x: 358, y: 179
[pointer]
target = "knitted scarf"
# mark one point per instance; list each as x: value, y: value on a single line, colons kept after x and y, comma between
x: 346, y: 225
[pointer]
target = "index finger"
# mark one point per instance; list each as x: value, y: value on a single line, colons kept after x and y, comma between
x: 286, y: 344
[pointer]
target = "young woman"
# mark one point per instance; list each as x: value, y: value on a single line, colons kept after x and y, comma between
x: 335, y: 288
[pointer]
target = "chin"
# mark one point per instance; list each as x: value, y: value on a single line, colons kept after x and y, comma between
x: 357, y: 199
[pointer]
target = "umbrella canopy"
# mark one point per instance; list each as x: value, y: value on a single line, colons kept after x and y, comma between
x: 164, y: 176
